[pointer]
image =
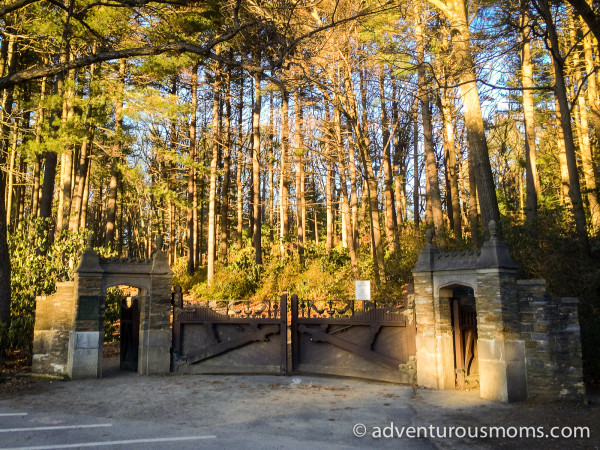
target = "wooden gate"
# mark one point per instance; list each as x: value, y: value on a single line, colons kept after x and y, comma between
x: 464, y: 325
x: 130, y: 334
x: 359, y: 339
x: 228, y: 337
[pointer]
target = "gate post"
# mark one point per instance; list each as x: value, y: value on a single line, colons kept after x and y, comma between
x: 502, y: 371
x: 293, y: 336
x: 87, y: 336
x: 155, y: 318
x: 427, y: 339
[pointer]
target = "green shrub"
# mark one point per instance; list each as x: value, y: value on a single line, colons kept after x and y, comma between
x: 37, y: 265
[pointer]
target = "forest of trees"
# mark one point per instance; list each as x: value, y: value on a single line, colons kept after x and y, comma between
x: 275, y: 128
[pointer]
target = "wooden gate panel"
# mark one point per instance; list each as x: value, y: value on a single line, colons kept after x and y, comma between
x: 341, y: 338
x: 230, y: 338
x: 466, y: 364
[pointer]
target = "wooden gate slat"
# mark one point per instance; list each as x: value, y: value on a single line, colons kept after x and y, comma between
x: 217, y: 349
x: 363, y: 352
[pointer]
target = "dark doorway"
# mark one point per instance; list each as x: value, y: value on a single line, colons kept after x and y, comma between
x: 130, y: 333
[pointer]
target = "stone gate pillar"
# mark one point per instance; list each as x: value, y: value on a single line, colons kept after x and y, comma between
x: 434, y: 337
x: 85, y: 339
x: 155, y: 318
x: 502, y: 372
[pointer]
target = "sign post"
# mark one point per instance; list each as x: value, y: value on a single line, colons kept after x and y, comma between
x: 362, y: 290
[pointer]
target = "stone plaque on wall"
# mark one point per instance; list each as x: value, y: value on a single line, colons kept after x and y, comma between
x: 88, y: 308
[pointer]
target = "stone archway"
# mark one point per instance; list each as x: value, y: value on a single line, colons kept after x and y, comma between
x: 68, y: 332
x: 522, y: 332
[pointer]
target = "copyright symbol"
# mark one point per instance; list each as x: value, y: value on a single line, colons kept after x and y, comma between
x: 359, y: 430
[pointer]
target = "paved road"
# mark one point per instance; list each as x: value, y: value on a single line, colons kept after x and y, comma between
x: 129, y: 411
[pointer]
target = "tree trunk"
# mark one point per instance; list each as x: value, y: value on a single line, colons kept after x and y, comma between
x: 84, y: 203
x: 115, y: 175
x: 583, y: 132
x: 35, y: 194
x: 192, y: 197
x: 370, y: 181
x: 212, y: 190
x: 451, y: 165
x: 256, y: 234
x: 240, y: 164
x: 12, y: 171
x: 353, y: 194
x: 391, y: 221
x: 226, y: 171
x: 561, y: 94
x: 66, y: 179
x: 461, y: 38
x: 299, y: 174
x: 271, y: 174
x: 84, y: 161
x: 416, y: 175
x: 5, y: 264
x: 531, y: 175
x: 473, y: 210
x: 328, y: 190
x: 592, y: 88
x: 341, y: 157
x: 284, y: 176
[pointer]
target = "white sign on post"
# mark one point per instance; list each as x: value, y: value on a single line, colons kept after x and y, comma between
x: 362, y: 290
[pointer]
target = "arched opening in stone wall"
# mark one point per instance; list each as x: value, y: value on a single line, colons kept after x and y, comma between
x: 463, y: 312
x: 121, y: 327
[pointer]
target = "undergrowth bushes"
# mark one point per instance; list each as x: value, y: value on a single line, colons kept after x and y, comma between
x: 37, y: 265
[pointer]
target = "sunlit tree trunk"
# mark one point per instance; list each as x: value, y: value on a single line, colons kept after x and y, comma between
x: 115, y: 174
x: 240, y: 165
x: 416, y: 175
x: 84, y: 161
x: 583, y: 132
x: 388, y: 183
x: 271, y: 171
x: 212, y: 190
x: 66, y: 165
x: 560, y: 91
x: 456, y: 13
x: 284, y: 176
x: 531, y: 175
x: 85, y: 199
x: 7, y: 56
x: 328, y: 190
x: 592, y: 87
x: 12, y: 171
x: 226, y: 171
x: 473, y: 201
x: 299, y: 153
x: 41, y: 113
x: 192, y: 197
x: 256, y: 235
x: 341, y: 158
x: 451, y: 164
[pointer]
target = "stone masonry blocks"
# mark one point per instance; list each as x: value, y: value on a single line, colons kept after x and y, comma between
x: 68, y: 334
x: 528, y: 343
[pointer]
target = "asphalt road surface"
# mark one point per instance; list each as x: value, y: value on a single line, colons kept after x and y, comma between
x: 125, y: 410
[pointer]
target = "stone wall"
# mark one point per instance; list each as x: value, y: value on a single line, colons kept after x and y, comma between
x: 550, y: 329
x: 54, y: 322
